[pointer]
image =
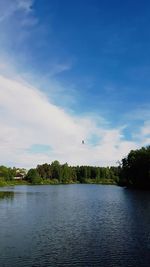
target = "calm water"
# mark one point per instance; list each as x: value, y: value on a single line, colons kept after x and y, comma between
x: 74, y: 225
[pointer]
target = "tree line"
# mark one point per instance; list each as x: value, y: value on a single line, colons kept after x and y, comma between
x: 133, y: 171
x: 63, y: 173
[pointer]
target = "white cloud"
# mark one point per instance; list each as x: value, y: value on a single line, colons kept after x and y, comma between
x: 28, y: 118
x: 144, y: 133
x: 146, y: 129
x: 141, y: 113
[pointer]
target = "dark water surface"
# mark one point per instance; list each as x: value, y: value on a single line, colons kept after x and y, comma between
x: 74, y: 225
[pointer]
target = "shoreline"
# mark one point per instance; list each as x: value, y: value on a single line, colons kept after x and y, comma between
x: 54, y: 182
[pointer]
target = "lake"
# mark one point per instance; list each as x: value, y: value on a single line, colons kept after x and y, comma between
x: 74, y: 225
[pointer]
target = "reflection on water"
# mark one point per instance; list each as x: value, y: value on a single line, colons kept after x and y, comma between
x: 6, y: 195
x: 74, y: 226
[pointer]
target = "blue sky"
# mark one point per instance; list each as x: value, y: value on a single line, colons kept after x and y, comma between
x: 87, y: 59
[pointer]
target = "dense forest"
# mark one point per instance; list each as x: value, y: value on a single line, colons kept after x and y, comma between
x: 133, y: 171
x: 56, y: 173
x: 68, y: 174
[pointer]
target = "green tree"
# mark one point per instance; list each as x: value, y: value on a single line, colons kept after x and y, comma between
x: 33, y: 177
x: 136, y: 169
x: 45, y: 171
x: 7, y: 173
x: 65, y: 173
x: 56, y: 170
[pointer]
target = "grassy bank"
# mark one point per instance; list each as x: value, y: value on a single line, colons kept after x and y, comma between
x: 13, y: 182
x: 100, y: 181
x: 56, y: 182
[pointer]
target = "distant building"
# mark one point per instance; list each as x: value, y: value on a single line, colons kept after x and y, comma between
x: 20, y: 174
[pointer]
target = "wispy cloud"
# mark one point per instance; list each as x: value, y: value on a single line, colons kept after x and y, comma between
x: 17, y: 22
x: 143, y: 112
x: 146, y: 129
x: 28, y: 117
x: 56, y: 66
x: 25, y: 5
x: 9, y: 7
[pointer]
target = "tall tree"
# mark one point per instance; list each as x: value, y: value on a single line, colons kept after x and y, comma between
x: 33, y: 176
x: 136, y: 168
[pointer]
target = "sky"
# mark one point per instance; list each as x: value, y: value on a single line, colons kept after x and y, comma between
x: 73, y: 71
